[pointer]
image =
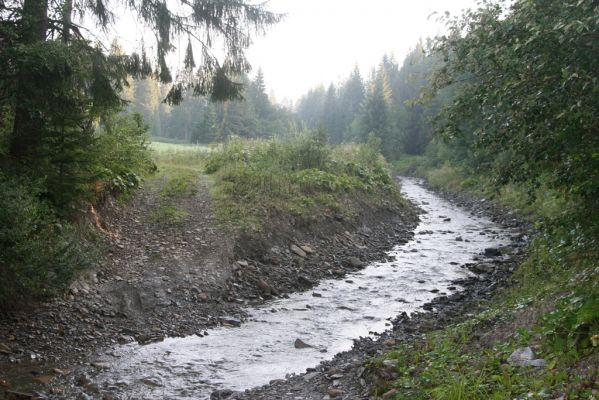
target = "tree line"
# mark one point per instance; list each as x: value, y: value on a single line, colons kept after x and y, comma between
x: 199, y: 120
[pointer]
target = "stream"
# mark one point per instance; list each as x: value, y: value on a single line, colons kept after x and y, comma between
x: 328, y: 317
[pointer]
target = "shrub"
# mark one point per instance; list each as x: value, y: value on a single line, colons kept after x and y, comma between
x: 122, y: 153
x: 39, y: 253
x: 296, y: 175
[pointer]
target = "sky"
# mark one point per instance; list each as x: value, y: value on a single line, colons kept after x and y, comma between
x: 320, y: 41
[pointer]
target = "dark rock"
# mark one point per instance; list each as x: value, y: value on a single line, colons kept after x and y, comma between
x: 354, y: 262
x: 300, y: 344
x: 492, y: 252
x: 221, y: 394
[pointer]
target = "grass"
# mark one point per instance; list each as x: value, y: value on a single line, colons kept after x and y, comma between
x: 552, y: 306
x: 468, y: 360
x: 179, y: 167
x: 299, y: 176
x: 167, y: 214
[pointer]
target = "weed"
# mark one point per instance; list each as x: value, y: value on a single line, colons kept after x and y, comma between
x: 167, y: 214
x: 298, y: 175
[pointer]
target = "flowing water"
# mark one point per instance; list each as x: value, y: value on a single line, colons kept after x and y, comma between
x: 263, y: 348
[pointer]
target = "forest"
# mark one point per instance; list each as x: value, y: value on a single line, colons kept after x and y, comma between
x: 111, y: 159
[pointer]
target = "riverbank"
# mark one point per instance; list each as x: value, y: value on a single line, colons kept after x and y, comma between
x: 175, y: 270
x: 362, y: 372
x: 527, y: 330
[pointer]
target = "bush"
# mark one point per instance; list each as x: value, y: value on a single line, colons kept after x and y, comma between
x: 295, y: 175
x: 39, y: 253
x: 122, y: 153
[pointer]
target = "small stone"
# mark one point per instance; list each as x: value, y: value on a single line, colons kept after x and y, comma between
x: 243, y: 263
x: 307, y: 249
x: 390, y: 394
x: 492, y: 252
x: 265, y: 287
x: 308, y: 377
x: 335, y: 392
x: 314, y: 294
x: 300, y: 344
x: 390, y: 363
x: 297, y: 251
x: 524, y: 356
x: 484, y: 268
x: 203, y: 296
x: 230, y: 321
x: 390, y: 342
x: 354, y: 262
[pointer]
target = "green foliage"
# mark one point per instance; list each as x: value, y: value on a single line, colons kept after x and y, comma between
x: 39, y: 253
x: 527, y: 101
x: 253, y: 178
x: 123, y: 155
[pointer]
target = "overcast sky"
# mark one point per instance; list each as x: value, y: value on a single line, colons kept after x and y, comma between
x: 320, y: 41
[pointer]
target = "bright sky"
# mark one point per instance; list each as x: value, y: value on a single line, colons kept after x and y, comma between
x: 320, y: 41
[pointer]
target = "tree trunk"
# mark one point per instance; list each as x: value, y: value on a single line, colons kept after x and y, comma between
x: 26, y: 133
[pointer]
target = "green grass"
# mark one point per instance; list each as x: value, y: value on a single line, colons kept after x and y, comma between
x: 167, y: 214
x: 179, y: 169
x: 468, y: 360
x: 300, y: 176
x: 164, y: 147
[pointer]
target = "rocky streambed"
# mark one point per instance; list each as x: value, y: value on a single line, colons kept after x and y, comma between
x: 312, y: 345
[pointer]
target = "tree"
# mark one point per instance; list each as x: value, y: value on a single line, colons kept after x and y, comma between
x: 376, y: 114
x: 256, y: 93
x: 527, y: 78
x: 351, y: 96
x: 56, y: 84
x: 31, y: 30
x: 330, y: 119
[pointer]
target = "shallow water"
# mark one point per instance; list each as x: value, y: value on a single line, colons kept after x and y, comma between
x: 263, y: 348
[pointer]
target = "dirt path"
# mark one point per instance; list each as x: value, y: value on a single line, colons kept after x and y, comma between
x: 176, y: 279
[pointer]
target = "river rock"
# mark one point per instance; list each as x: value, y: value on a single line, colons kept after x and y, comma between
x: 297, y: 251
x: 300, y: 344
x: 265, y: 287
x: 221, y: 394
x: 335, y: 392
x: 354, y: 262
x: 492, y: 252
x: 307, y: 249
x: 525, y: 356
x: 230, y: 321
x: 484, y: 268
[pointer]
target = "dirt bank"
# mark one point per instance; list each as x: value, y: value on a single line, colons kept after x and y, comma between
x: 164, y: 279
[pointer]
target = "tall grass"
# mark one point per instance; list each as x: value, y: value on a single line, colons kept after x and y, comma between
x: 253, y: 177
